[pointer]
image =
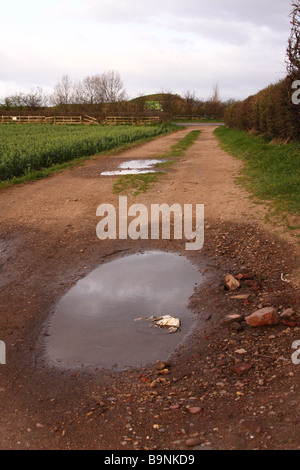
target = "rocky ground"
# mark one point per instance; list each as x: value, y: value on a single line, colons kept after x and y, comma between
x: 229, y: 386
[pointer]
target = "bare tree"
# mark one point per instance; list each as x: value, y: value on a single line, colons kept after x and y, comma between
x: 34, y: 99
x: 215, y: 98
x: 92, y: 86
x: 93, y: 89
x: 214, y: 106
x: 112, y: 87
x: 293, y: 49
x: 78, y: 95
x: 63, y: 91
x: 14, y: 101
x: 190, y: 101
x: 100, y: 88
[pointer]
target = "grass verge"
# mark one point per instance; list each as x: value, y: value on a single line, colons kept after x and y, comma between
x: 141, y: 182
x: 271, y: 171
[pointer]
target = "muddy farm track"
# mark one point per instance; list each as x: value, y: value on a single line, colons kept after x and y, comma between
x: 228, y: 386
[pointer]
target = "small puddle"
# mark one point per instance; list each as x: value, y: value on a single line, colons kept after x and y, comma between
x: 103, y: 319
x: 134, y: 167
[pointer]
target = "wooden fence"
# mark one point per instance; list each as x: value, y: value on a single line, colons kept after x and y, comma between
x: 131, y: 120
x: 47, y: 120
x: 109, y: 120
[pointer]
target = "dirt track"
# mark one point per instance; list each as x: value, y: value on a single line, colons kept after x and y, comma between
x: 48, y: 242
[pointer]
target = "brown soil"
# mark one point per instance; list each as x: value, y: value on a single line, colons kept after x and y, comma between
x: 48, y: 242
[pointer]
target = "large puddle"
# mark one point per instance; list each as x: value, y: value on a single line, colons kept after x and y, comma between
x: 102, y: 321
x: 134, y: 167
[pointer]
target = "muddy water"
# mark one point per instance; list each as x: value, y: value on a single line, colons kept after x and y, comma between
x: 98, y: 322
x: 134, y: 167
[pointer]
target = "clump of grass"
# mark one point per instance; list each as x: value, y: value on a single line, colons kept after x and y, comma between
x: 165, y: 165
x: 178, y: 150
x: 140, y: 182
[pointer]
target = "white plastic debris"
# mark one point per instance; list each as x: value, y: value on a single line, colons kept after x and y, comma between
x: 167, y: 321
x: 284, y: 278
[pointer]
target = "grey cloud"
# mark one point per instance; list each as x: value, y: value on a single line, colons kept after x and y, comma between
x: 229, y: 21
x: 178, y: 44
x: 273, y: 13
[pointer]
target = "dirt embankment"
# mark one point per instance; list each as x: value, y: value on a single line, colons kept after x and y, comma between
x: 48, y: 242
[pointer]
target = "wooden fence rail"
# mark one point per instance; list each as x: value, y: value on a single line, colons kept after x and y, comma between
x: 131, y: 120
x: 46, y: 120
x: 109, y: 120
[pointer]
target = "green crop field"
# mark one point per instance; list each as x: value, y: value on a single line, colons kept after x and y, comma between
x: 28, y: 148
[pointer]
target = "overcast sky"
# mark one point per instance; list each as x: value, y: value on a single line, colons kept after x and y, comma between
x: 175, y: 45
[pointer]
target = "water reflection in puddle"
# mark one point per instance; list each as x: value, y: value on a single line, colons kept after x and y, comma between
x: 134, y: 167
x: 94, y: 323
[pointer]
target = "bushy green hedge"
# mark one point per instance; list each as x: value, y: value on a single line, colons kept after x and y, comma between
x: 269, y: 112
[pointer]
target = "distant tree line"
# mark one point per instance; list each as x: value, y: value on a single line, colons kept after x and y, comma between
x: 93, y: 89
x: 33, y: 99
x: 105, y: 93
